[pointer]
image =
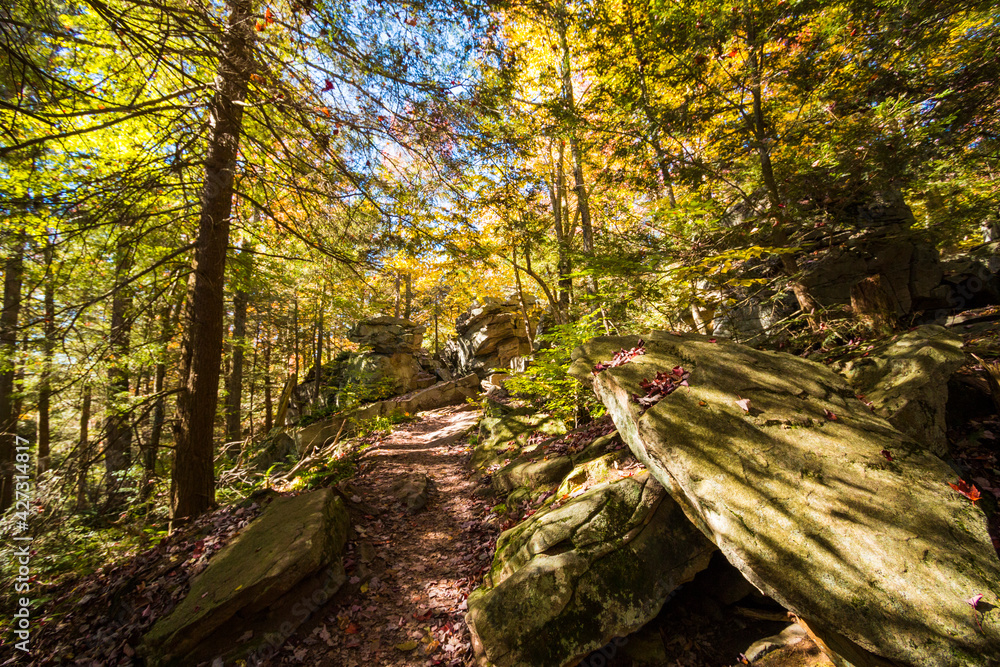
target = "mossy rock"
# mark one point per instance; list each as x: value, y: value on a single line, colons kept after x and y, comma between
x: 289, y: 555
x: 797, y: 489
x: 504, y: 437
x: 570, y: 578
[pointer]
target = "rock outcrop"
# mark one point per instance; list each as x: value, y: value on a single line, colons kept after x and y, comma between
x: 820, y: 503
x: 906, y: 381
x: 570, y: 578
x: 491, y: 336
x: 388, y: 335
x: 287, y: 561
x: 393, y: 366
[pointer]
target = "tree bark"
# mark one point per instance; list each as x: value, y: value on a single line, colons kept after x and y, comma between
x: 48, y: 346
x: 520, y: 297
x: 789, y: 261
x: 409, y: 295
x: 83, y: 449
x: 117, y: 451
x: 234, y: 384
x: 193, y: 482
x: 395, y: 312
x: 579, y: 184
x: 13, y: 278
x: 268, y: 398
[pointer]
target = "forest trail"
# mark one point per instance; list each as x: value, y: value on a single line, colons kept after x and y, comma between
x: 410, y: 572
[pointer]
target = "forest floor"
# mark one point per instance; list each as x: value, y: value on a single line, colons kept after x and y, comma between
x: 410, y: 573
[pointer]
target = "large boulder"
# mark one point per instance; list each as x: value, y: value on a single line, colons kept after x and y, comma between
x: 388, y: 335
x: 491, y: 336
x: 906, y: 381
x: 570, y: 578
x: 820, y: 503
x: 288, y: 559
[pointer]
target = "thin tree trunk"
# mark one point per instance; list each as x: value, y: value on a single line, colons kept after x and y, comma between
x: 13, y: 276
x: 295, y: 325
x: 662, y: 160
x: 253, y: 377
x: 268, y: 399
x: 395, y: 312
x: 48, y: 346
x: 579, y: 184
x: 564, y: 266
x: 234, y: 385
x: 520, y: 297
x: 117, y: 451
x: 193, y: 482
x: 409, y: 295
x: 319, y: 354
x: 83, y: 449
x: 789, y: 261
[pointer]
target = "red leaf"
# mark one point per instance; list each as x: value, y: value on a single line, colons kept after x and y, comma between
x: 967, y: 490
x: 260, y: 26
x: 621, y: 357
x: 328, y: 86
x: 829, y: 415
x: 269, y: 16
x: 352, y: 628
x: 744, y: 403
x: 887, y: 454
x: 974, y: 600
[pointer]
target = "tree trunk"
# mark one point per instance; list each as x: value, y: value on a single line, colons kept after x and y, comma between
x: 319, y: 355
x: 48, y: 346
x: 395, y: 312
x: 557, y: 195
x: 117, y: 452
x: 13, y: 277
x: 662, y: 160
x: 234, y: 385
x: 579, y: 184
x: 789, y: 261
x: 520, y: 298
x: 268, y: 399
x: 83, y: 450
x: 409, y: 295
x: 149, y: 455
x: 193, y: 483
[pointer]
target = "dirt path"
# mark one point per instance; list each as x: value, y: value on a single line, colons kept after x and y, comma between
x: 410, y: 572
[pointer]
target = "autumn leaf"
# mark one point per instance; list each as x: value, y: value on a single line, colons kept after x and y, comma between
x: 829, y: 415
x: 269, y: 15
x: 406, y: 646
x: 974, y: 600
x: 621, y: 357
x: 352, y: 628
x: 260, y: 26
x: 743, y: 403
x: 887, y: 454
x: 968, y: 490
x: 328, y: 85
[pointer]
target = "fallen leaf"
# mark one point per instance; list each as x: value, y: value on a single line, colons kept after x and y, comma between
x: 743, y: 403
x: 887, y: 454
x: 974, y: 600
x: 968, y: 490
x: 406, y: 646
x: 829, y: 415
x: 352, y: 628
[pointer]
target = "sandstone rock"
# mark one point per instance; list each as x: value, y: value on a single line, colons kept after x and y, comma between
x: 388, y: 335
x: 906, y: 381
x: 290, y: 557
x: 570, y: 578
x: 807, y: 506
x: 490, y: 336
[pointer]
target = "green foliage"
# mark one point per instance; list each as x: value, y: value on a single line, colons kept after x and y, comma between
x: 546, y: 380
